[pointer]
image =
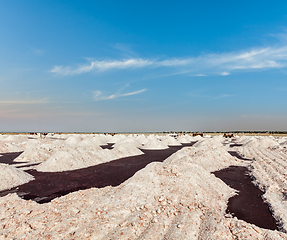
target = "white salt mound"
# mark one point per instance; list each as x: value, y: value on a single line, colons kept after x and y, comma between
x: 73, y: 140
x: 82, y: 157
x: 171, y: 141
x: 130, y: 141
x: 68, y: 160
x: 195, y: 138
x: 99, y: 140
x: 116, y: 138
x: 207, y: 143
x: 126, y: 150
x: 33, y: 155
x: 141, y: 139
x: 89, y: 144
x: 261, y: 142
x: 211, y: 159
x: 155, y: 144
x: 11, y: 177
x: 183, y: 139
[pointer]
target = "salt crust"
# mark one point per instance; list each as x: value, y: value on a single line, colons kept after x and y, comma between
x: 268, y: 170
x: 161, y: 201
x: 11, y: 177
x: 176, y: 199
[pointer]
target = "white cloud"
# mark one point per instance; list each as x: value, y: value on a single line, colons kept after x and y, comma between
x: 103, y: 66
x: 225, y: 73
x: 208, y: 64
x: 98, y: 95
x: 133, y: 93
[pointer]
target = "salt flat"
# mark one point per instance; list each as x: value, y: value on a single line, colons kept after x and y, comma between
x: 178, y: 198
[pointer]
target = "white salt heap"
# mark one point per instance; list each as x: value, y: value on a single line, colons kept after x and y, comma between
x: 261, y: 142
x: 99, y: 140
x: 154, y: 144
x: 211, y: 159
x: 131, y: 141
x: 11, y: 177
x: 176, y: 199
x: 171, y: 141
x: 86, y: 154
x: 126, y: 150
x: 183, y: 139
x: 208, y: 143
x: 67, y: 160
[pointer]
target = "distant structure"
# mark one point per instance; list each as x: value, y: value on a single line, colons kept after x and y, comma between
x: 197, y: 134
x: 173, y: 135
x: 226, y: 135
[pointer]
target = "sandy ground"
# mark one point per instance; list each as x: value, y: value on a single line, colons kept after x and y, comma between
x: 177, y: 198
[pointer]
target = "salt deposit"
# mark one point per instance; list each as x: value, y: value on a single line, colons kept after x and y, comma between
x: 193, y: 139
x: 177, y: 199
x: 208, y: 143
x: 99, y: 140
x: 154, y: 144
x: 171, y: 141
x: 211, y: 159
x: 126, y: 150
x: 11, y: 177
x: 85, y: 155
x: 131, y: 141
x: 261, y: 142
x: 183, y: 139
x: 71, y: 160
x: 73, y: 140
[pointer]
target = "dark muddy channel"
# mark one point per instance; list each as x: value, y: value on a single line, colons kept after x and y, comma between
x: 50, y: 185
x: 248, y: 205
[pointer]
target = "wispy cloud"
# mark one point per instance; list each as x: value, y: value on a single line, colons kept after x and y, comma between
x: 41, y: 101
x: 103, y: 66
x: 98, y: 96
x: 208, y: 64
x: 133, y: 93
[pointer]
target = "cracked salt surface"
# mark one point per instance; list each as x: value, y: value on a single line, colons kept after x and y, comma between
x: 178, y: 198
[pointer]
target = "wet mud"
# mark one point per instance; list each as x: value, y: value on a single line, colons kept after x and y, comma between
x: 50, y: 185
x: 235, y: 145
x: 9, y: 158
x: 248, y: 205
x: 108, y: 146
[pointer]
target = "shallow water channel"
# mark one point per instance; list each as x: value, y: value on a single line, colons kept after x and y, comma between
x: 248, y: 205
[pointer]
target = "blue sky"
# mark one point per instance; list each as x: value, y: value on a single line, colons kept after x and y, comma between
x: 143, y: 66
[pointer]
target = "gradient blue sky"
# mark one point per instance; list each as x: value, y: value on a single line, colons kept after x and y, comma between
x: 143, y: 66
